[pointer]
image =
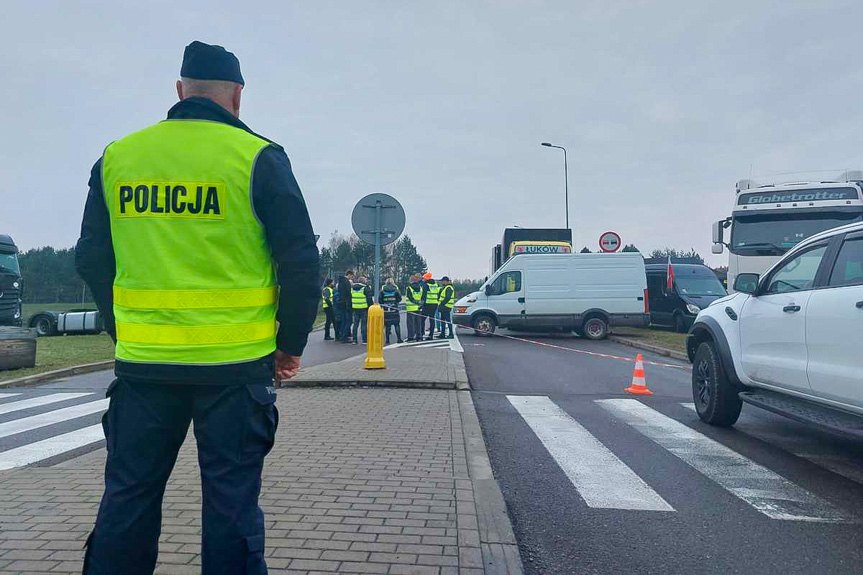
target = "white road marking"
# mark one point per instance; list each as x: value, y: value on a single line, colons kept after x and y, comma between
x: 766, y: 491
x: 602, y: 480
x: 455, y: 343
x: 39, y: 450
x: 807, y: 448
x: 38, y: 401
x: 8, y: 395
x: 51, y: 417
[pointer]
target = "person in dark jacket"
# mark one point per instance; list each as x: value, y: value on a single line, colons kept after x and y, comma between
x: 362, y: 298
x: 343, y: 307
x: 389, y: 298
x: 175, y: 305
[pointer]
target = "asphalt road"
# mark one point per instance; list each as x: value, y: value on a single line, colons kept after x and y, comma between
x: 649, y: 488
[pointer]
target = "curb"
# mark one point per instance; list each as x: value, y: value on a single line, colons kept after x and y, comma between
x: 497, y: 539
x: 58, y: 373
x: 369, y: 383
x: 652, y: 348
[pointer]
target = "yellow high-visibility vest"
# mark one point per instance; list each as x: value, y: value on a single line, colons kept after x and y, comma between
x: 326, y: 294
x: 195, y: 282
x: 432, y: 293
x: 358, y: 297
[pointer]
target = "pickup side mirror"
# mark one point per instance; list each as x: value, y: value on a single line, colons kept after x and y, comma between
x: 746, y: 283
x: 488, y: 290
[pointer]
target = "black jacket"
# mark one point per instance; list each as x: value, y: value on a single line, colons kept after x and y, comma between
x: 343, y: 292
x: 389, y: 298
x: 279, y: 205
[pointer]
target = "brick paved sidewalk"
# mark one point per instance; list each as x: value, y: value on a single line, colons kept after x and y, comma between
x: 360, y: 481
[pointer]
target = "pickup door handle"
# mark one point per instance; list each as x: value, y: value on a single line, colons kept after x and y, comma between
x: 860, y: 304
x: 791, y: 308
x: 521, y: 300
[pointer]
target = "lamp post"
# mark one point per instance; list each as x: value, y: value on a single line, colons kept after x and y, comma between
x: 565, y: 177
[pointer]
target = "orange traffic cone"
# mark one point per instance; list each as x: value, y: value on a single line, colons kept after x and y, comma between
x: 639, y: 386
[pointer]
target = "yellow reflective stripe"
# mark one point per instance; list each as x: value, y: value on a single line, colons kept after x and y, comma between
x: 194, y: 299
x: 154, y: 334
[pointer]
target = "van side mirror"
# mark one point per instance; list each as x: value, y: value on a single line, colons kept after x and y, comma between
x: 746, y: 283
x: 488, y: 290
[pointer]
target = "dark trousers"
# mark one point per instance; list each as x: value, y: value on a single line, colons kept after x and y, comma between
x: 398, y: 330
x: 446, y: 320
x: 361, y: 317
x: 411, y: 318
x: 343, y: 322
x: 429, y: 311
x: 331, y: 321
x: 145, y: 425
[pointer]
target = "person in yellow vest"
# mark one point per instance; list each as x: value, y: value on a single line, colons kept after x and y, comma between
x: 362, y: 299
x: 197, y: 246
x: 447, y: 302
x: 413, y: 308
x: 431, y: 296
x: 327, y: 304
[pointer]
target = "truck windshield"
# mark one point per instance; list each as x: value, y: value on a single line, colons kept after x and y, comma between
x: 775, y: 234
x: 8, y: 263
x: 699, y: 286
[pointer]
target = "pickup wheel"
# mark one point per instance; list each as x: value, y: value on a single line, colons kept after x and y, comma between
x: 483, y: 324
x: 716, y: 399
x: 44, y: 325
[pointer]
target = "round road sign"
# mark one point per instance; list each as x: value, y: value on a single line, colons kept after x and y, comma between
x: 609, y: 242
x: 365, y: 218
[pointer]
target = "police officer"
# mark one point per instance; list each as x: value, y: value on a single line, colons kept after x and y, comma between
x: 447, y: 302
x: 431, y: 296
x: 327, y: 299
x: 389, y: 299
x: 182, y: 226
x: 413, y: 308
x: 361, y: 300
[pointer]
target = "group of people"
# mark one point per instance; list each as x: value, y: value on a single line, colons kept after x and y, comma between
x: 346, y: 307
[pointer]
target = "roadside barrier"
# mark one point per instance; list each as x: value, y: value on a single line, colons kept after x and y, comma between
x: 639, y: 385
x: 375, y: 335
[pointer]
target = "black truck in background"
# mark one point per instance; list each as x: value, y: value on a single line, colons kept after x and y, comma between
x: 502, y: 251
x: 11, y: 284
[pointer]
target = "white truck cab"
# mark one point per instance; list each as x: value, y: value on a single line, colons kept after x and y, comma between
x: 789, y: 339
x: 584, y: 293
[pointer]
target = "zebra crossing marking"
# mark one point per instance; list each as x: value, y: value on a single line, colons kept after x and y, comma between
x: 805, y: 448
x: 38, y: 401
x: 766, y: 491
x: 602, y: 480
x: 51, y: 417
x: 8, y: 395
x: 56, y: 445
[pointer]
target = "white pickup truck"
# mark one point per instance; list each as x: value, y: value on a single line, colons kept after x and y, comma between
x: 789, y: 340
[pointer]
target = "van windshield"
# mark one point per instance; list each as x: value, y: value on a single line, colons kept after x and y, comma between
x: 699, y: 286
x: 9, y: 263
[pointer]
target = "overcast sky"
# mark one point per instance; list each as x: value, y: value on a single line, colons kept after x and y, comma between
x: 661, y: 105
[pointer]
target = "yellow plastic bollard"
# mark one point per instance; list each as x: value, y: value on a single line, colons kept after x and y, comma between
x: 375, y: 346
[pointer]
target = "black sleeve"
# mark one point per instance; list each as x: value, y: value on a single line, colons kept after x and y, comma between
x: 94, y: 253
x: 370, y: 295
x: 398, y: 296
x: 280, y: 206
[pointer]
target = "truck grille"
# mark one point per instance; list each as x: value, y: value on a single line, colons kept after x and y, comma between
x: 9, y: 301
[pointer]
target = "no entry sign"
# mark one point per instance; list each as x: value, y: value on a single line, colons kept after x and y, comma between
x: 609, y: 242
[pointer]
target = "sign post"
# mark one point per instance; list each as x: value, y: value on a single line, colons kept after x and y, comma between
x: 609, y: 242
x: 378, y: 219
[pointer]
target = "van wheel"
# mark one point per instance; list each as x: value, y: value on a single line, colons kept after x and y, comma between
x: 484, y: 325
x: 716, y: 399
x: 595, y: 328
x: 679, y: 323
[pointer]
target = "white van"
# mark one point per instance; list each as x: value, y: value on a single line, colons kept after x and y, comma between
x: 584, y: 293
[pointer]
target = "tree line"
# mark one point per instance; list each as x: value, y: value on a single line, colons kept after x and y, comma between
x: 50, y: 277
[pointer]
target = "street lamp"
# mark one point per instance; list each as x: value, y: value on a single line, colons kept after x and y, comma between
x: 565, y: 177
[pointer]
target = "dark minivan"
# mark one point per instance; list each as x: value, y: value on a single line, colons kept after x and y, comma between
x: 10, y: 283
x: 695, y: 287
